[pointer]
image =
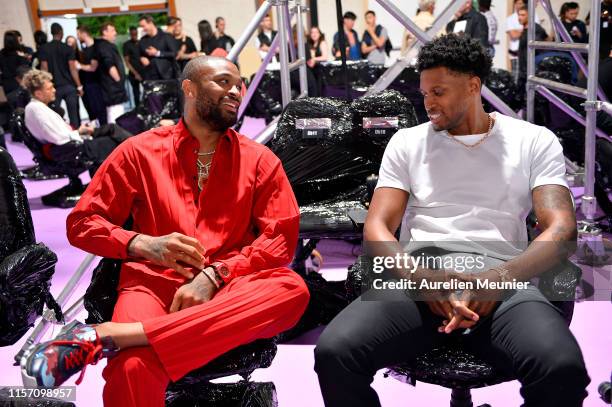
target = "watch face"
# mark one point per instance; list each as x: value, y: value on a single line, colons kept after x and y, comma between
x: 221, y: 269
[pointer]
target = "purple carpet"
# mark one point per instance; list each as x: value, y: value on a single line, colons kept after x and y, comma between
x: 292, y: 370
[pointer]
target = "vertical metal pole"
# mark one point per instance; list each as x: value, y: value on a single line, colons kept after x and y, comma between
x: 589, y: 204
x: 246, y: 34
x: 300, y: 50
x: 284, y: 60
x: 342, y: 44
x: 530, y: 61
x: 289, y: 30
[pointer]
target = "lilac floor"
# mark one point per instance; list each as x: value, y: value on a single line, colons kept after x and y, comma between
x: 292, y: 369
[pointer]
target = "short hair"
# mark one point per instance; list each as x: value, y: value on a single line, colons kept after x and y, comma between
x: 22, y: 70
x: 56, y: 29
x: 193, y: 67
x: 523, y: 8
x: 486, y: 4
x: 218, y: 19
x: 173, y: 20
x: 425, y: 5
x: 350, y: 15
x: 105, y: 26
x: 40, y: 37
x: 370, y: 12
x: 147, y: 17
x: 457, y: 52
x: 35, y: 80
x: 85, y: 29
x: 132, y: 28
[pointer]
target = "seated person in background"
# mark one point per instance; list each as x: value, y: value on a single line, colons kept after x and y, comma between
x: 48, y: 127
x: 204, y: 267
x: 507, y: 166
x: 351, y: 39
x: 20, y: 97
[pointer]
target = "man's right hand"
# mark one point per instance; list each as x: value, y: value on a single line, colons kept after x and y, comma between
x: 174, y: 251
x: 144, y: 61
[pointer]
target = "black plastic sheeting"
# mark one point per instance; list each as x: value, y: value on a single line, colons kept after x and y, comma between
x: 559, y: 65
x: 501, y: 83
x: 161, y: 99
x: 101, y: 295
x: 390, y: 104
x: 322, y: 166
x: 7, y: 401
x: 26, y: 268
x: 240, y: 394
x: 16, y: 227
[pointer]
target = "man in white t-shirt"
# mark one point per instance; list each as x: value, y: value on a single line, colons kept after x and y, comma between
x: 514, y: 30
x: 463, y: 182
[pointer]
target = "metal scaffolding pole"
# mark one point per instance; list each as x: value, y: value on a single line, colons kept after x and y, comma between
x: 589, y: 204
x: 248, y: 32
x: 424, y: 37
x: 301, y: 51
x: 531, y: 61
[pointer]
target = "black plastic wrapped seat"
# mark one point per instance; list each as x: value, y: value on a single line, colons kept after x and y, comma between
x: 26, y: 267
x: 72, y: 164
x: 451, y: 365
x: 194, y: 389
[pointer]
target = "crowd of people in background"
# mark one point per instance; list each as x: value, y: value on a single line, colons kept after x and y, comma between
x: 94, y: 69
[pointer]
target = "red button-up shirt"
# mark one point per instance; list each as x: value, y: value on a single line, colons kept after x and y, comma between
x: 246, y: 216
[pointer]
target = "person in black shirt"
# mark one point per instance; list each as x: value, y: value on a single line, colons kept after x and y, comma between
x: 40, y: 39
x: 112, y: 72
x: 89, y: 75
x: 540, y: 35
x: 157, y: 52
x: 569, y: 17
x: 476, y: 25
x: 265, y: 37
x: 208, y: 43
x: 59, y: 59
x: 131, y: 54
x: 186, y: 47
x: 224, y: 41
x: 11, y: 57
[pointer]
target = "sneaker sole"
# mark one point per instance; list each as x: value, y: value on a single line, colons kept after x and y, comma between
x: 28, y: 380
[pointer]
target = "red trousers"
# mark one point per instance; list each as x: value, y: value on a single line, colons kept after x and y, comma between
x: 258, y: 305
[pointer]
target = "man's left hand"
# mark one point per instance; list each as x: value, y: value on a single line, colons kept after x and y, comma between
x: 198, y: 291
x: 151, y: 51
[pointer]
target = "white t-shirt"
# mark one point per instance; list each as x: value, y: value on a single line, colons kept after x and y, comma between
x: 512, y: 23
x: 458, y: 194
x: 47, y: 126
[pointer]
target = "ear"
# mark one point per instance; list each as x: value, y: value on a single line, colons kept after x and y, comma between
x: 475, y: 84
x: 188, y: 88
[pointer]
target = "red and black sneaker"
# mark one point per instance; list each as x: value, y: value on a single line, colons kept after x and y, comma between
x: 51, y: 363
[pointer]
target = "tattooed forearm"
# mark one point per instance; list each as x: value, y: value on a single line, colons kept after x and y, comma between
x: 555, y: 212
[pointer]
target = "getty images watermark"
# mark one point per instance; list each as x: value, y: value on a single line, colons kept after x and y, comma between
x: 485, y: 270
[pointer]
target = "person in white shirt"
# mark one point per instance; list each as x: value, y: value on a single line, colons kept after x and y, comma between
x: 514, y: 29
x: 48, y: 127
x: 466, y: 179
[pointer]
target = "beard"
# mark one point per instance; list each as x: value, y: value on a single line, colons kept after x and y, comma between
x: 213, y: 114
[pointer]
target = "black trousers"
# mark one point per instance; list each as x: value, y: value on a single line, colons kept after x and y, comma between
x: 135, y: 89
x: 68, y: 93
x: 530, y: 341
x: 93, y: 99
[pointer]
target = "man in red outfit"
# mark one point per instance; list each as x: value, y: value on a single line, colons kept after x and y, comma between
x: 204, y: 270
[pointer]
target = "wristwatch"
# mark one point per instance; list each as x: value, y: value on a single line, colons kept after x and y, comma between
x: 221, y: 271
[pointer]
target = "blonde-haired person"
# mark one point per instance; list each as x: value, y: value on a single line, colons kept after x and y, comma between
x: 424, y: 19
x: 48, y: 127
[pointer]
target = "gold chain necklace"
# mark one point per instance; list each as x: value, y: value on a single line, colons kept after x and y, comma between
x: 479, y: 142
x: 203, y: 169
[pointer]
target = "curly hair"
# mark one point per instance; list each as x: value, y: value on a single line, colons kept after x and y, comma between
x: 34, y: 80
x: 457, y: 52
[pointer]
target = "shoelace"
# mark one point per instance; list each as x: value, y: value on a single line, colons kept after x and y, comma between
x: 93, y: 352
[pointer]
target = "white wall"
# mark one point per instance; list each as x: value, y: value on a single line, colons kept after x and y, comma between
x: 15, y: 15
